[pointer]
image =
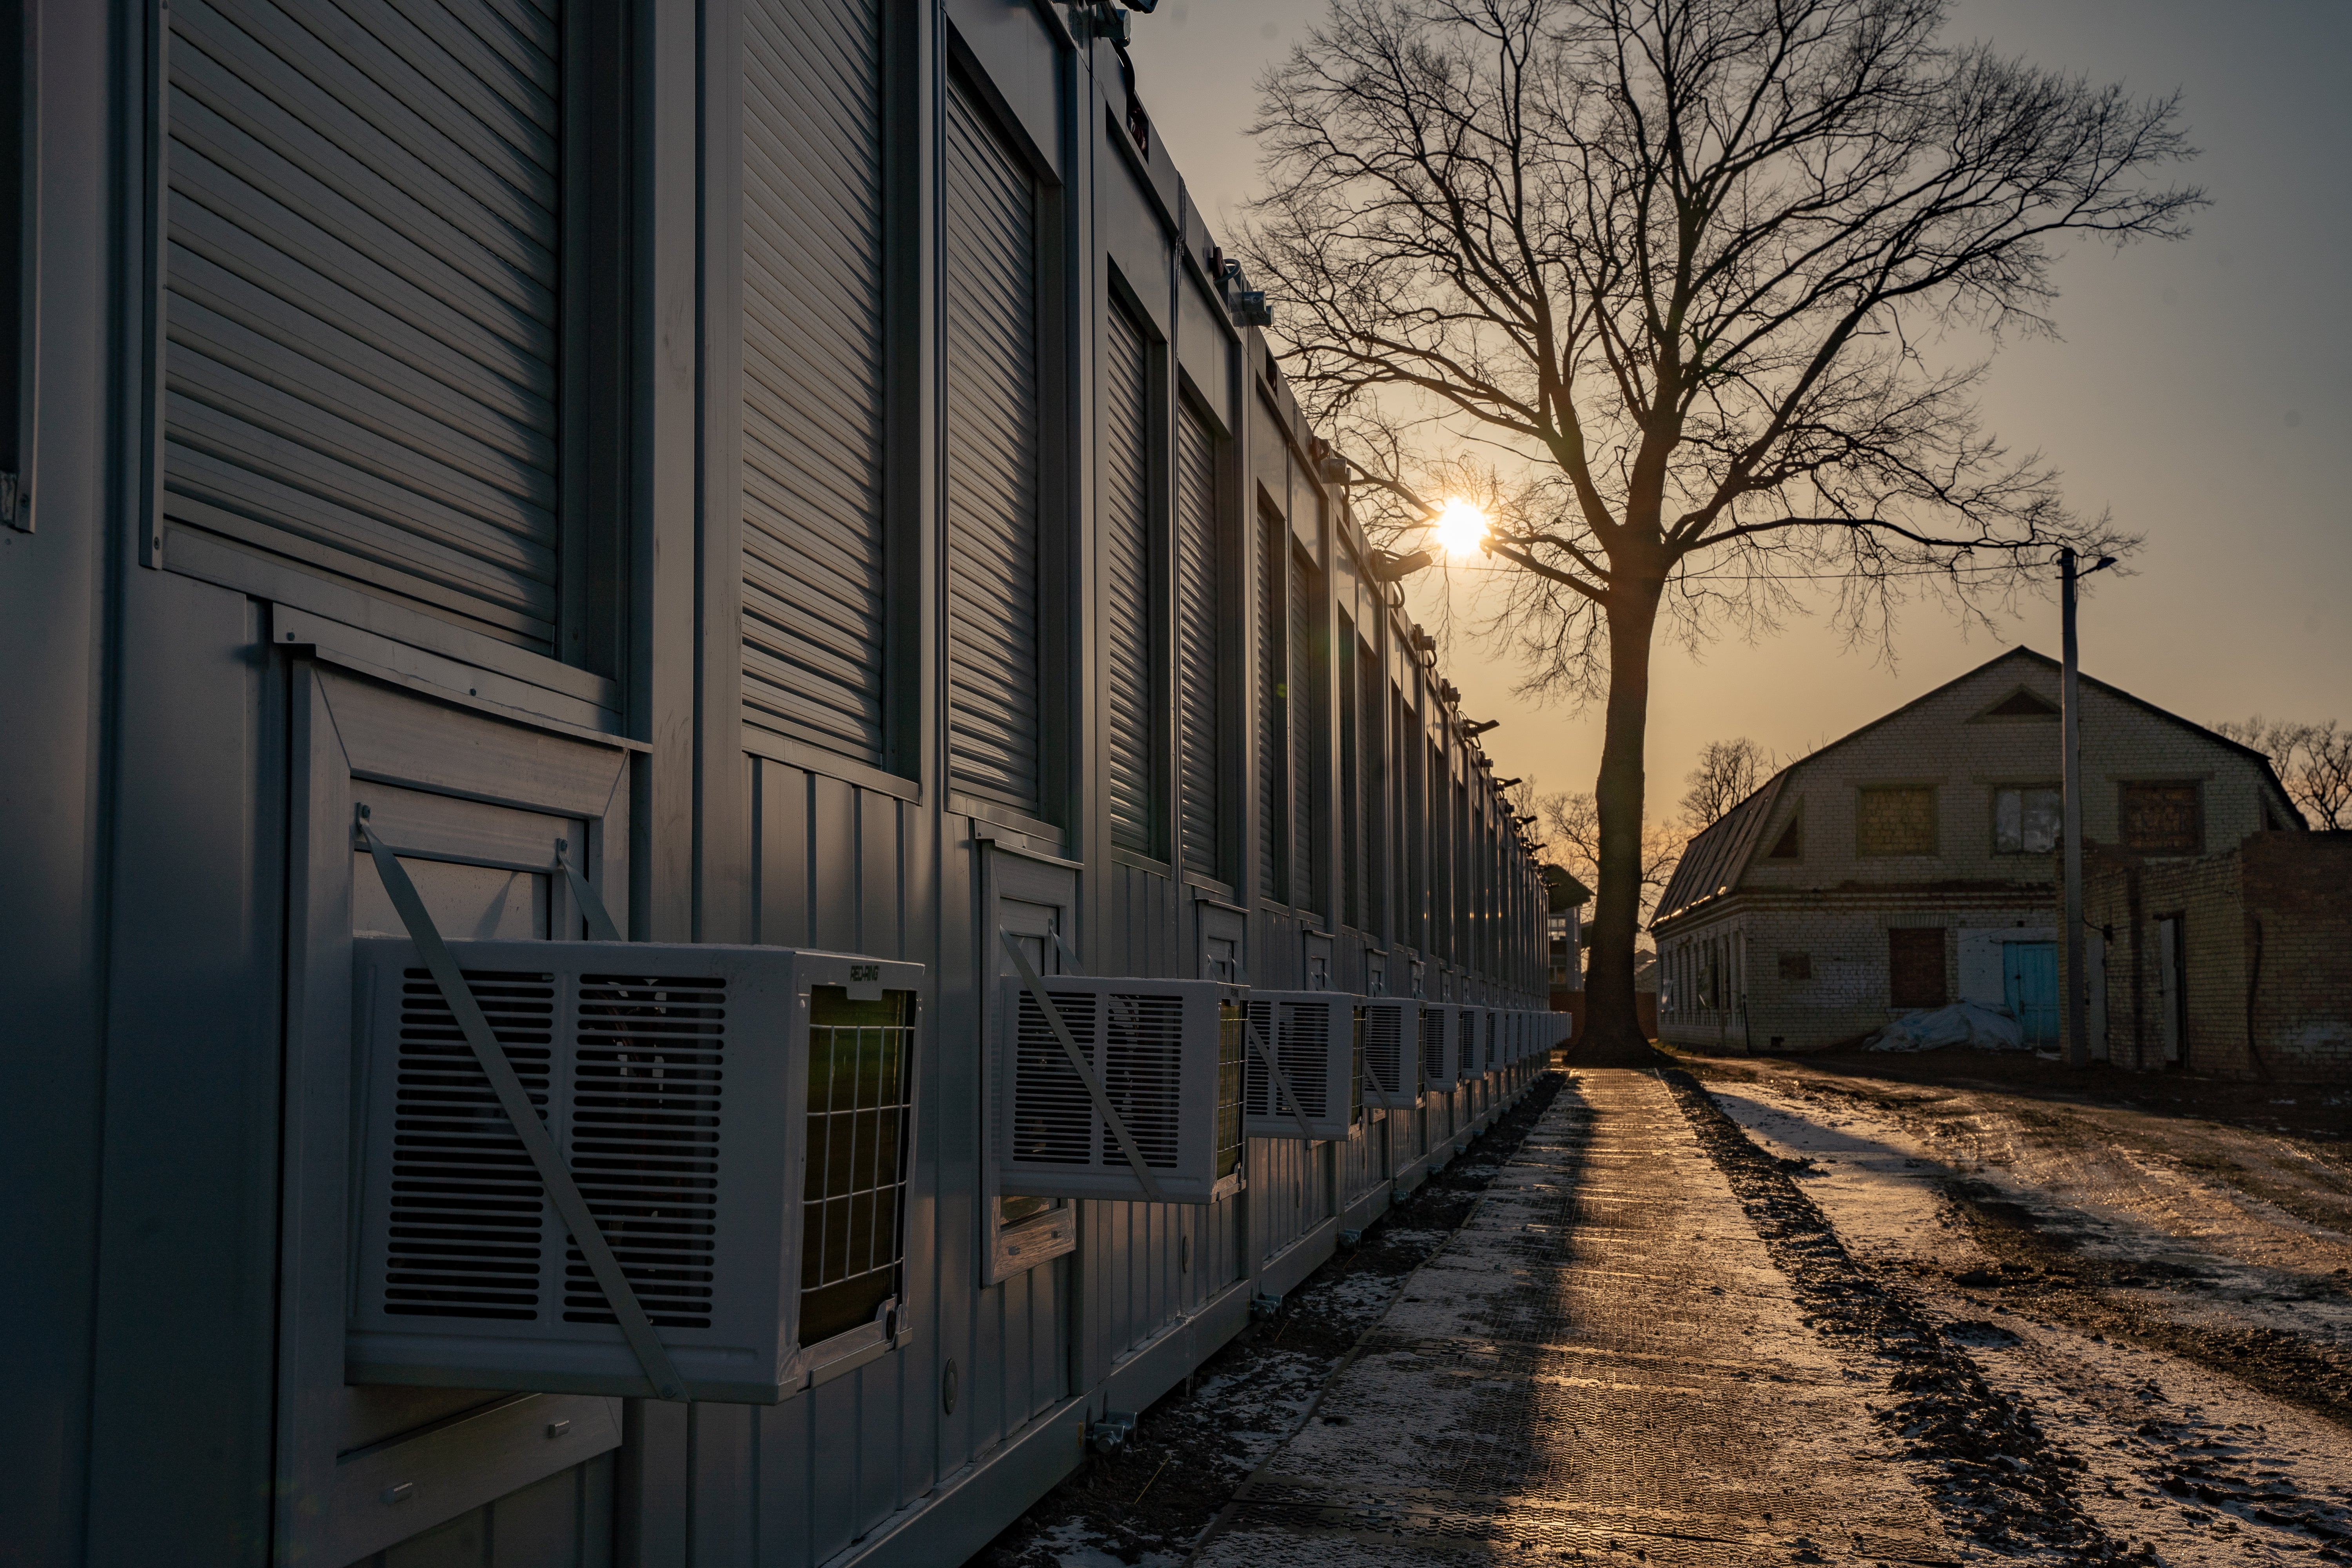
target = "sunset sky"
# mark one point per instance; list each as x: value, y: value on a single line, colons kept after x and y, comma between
x: 2201, y: 390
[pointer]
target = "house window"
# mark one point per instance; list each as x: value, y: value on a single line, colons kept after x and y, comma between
x: 1556, y: 930
x: 2162, y: 819
x: 1896, y: 822
x: 1790, y: 845
x: 2026, y: 819
x: 1796, y: 966
x: 1915, y: 967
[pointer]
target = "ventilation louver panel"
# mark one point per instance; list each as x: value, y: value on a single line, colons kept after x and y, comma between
x: 1490, y: 1029
x: 1166, y: 1055
x: 1392, y: 1057
x: 659, y: 1071
x: 1312, y: 1036
x: 1441, y: 1059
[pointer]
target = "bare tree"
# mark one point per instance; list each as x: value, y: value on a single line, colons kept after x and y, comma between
x: 1729, y: 771
x: 2313, y: 761
x: 1650, y: 279
x: 1573, y: 823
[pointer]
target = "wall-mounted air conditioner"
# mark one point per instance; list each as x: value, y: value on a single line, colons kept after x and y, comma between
x: 1391, y: 1051
x: 1441, y: 1047
x: 1490, y: 1029
x: 1150, y: 1109
x: 1311, y: 1036
x: 736, y: 1120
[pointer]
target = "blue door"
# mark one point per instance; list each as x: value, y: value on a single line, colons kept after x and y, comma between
x: 2029, y: 976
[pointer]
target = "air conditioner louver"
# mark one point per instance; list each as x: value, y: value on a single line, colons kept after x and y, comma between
x: 690, y: 1091
x: 1441, y: 1054
x: 1312, y: 1036
x: 1167, y: 1054
x: 1392, y: 1058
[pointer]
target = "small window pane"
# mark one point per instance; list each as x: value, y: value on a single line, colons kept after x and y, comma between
x: 2026, y: 821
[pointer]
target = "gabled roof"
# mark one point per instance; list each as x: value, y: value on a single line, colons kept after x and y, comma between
x: 1713, y: 860
x: 1718, y: 856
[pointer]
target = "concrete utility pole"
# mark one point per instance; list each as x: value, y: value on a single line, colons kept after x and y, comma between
x: 2078, y: 989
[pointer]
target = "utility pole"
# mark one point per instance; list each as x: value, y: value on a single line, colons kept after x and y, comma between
x: 2078, y: 985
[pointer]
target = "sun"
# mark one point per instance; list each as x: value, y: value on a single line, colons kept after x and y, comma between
x: 1461, y: 528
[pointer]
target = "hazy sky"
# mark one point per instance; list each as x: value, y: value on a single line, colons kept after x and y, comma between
x: 2202, y: 390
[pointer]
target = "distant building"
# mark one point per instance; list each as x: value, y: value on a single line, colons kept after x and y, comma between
x: 2238, y: 962
x: 1911, y: 864
x: 1565, y: 899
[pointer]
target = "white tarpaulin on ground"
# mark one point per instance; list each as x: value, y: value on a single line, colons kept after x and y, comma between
x: 1961, y: 1023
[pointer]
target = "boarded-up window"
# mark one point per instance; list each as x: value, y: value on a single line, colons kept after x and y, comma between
x: 2162, y: 819
x: 1915, y: 967
x: 1896, y: 822
x: 2026, y: 820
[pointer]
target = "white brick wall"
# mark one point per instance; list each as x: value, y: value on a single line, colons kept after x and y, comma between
x: 1834, y: 905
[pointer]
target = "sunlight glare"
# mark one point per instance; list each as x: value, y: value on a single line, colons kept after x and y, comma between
x: 1461, y: 528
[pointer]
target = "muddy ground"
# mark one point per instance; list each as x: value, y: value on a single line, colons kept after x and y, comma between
x: 1147, y: 1503
x: 2155, y: 1273
x: 2115, y: 1310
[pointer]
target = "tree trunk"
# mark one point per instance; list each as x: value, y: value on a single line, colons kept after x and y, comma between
x: 1613, y: 1027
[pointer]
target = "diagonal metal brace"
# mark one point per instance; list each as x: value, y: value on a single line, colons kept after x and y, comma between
x: 1084, y: 1069
x: 1281, y: 1082
x: 591, y: 907
x: 528, y: 1130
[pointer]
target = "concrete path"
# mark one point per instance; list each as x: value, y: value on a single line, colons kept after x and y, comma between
x: 1603, y: 1366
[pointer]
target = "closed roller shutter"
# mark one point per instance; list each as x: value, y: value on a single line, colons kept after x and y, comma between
x: 813, y: 404
x: 1196, y: 640
x: 1130, y: 594
x: 992, y: 439
x: 1308, y: 709
x: 360, y: 368
x: 1272, y: 818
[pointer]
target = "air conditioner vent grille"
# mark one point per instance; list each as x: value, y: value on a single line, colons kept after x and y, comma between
x: 648, y: 1070
x: 1300, y: 1035
x: 1433, y: 1048
x: 1384, y: 1056
x: 1233, y: 1052
x: 464, y: 1238
x: 1141, y: 1072
x: 1054, y: 1119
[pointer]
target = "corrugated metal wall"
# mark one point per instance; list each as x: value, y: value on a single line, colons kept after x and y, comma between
x: 881, y: 593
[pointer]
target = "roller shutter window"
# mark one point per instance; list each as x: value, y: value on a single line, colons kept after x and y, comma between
x: 1310, y: 710
x: 363, y: 230
x: 1371, y: 692
x: 992, y: 430
x: 1197, y: 677
x: 1273, y: 823
x: 1132, y: 596
x: 1350, y: 784
x: 813, y: 573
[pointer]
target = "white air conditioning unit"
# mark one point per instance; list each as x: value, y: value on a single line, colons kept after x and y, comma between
x: 1441, y: 1047
x: 1156, y: 1114
x: 1490, y: 1026
x: 1391, y: 1051
x: 739, y: 1121
x: 1312, y: 1038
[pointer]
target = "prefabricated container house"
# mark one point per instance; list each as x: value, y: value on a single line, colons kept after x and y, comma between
x: 791, y: 486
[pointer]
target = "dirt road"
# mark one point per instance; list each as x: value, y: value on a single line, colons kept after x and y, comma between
x: 2159, y: 1273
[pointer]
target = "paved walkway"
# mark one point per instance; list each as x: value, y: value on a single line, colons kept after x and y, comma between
x: 1603, y: 1366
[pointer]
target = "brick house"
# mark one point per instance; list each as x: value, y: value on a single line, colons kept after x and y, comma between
x: 1912, y: 863
x: 2237, y: 963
